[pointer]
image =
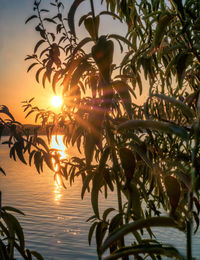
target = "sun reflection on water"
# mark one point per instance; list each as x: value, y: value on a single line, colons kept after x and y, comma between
x: 57, y: 143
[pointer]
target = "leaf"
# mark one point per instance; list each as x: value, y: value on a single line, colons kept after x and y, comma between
x: 111, y: 14
x: 11, y: 220
x: 44, y: 10
x: 104, y: 158
x: 50, y: 20
x: 19, y: 149
x: 155, y: 125
x: 81, y: 44
x: 42, y: 142
x: 168, y: 251
x: 38, y: 73
x: 92, y: 26
x: 128, y: 162
x: 123, y: 90
x: 30, y: 112
x: 173, y: 191
x: 164, y: 21
x: 86, y: 183
x: 30, y: 18
x: 121, y: 38
x: 89, y: 147
x: 1, y: 170
x: 91, y: 231
x: 83, y: 18
x: 138, y: 224
x: 37, y: 255
x: 37, y: 161
x: 44, y: 79
x: 38, y: 44
x: 55, y: 80
x: 106, y: 213
x: 96, y: 185
x: 30, y: 100
x: 181, y: 65
x: 8, y: 208
x: 184, y: 108
x: 71, y: 15
x: 107, y: 178
x: 5, y: 110
x: 31, y: 66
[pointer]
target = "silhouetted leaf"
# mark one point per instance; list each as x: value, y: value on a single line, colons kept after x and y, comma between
x: 1, y: 170
x: 111, y: 14
x: 71, y: 15
x: 91, y: 231
x: 81, y: 44
x: 156, y: 125
x: 8, y: 208
x: 123, y: 90
x: 38, y: 44
x: 50, y: 20
x: 31, y: 66
x: 92, y: 26
x: 19, y: 149
x: 30, y: 18
x: 37, y: 255
x: 86, y: 183
x: 168, y: 251
x: 121, y: 38
x: 138, y: 224
x: 83, y: 18
x: 38, y: 73
x: 106, y: 213
x: 96, y: 185
x: 173, y: 191
x: 184, y: 108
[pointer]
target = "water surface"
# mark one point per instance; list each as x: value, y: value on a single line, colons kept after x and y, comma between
x: 55, y: 221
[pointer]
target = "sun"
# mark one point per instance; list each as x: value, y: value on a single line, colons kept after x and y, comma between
x: 56, y: 101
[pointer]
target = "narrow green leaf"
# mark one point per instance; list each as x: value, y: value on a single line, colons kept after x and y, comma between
x: 139, y: 224
x: 37, y: 255
x: 106, y: 213
x: 121, y: 38
x: 8, y: 208
x: 168, y: 251
x: 86, y: 183
x: 111, y: 14
x: 183, y: 107
x: 155, y: 125
x: 96, y: 185
x: 91, y: 231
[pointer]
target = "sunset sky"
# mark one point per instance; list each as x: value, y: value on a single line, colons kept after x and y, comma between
x: 16, y: 41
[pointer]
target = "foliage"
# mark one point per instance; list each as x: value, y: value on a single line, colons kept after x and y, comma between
x: 148, y: 153
x: 12, y: 237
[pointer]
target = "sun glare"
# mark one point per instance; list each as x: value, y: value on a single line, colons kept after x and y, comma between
x: 56, y: 101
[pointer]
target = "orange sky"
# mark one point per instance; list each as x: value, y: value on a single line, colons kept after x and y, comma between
x: 16, y: 41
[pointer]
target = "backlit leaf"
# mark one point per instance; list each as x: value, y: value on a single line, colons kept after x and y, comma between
x: 156, y: 125
x: 138, y: 224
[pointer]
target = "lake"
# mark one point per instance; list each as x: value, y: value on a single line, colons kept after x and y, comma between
x: 55, y: 218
